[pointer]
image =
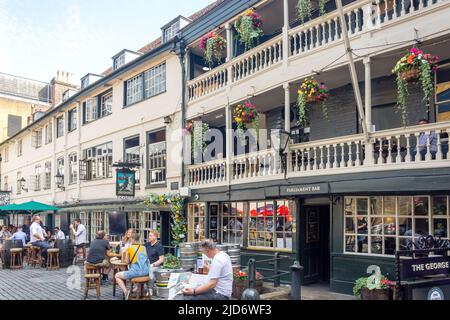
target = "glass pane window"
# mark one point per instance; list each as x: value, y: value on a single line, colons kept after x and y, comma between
x: 232, y: 223
x: 155, y: 81
x: 157, y: 157
x: 134, y: 89
x: 106, y: 104
x: 196, y: 222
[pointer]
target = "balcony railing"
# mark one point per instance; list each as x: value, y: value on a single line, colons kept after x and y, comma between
x: 361, y: 16
x: 425, y: 146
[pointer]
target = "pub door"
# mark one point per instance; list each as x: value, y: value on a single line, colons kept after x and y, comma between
x: 315, y: 244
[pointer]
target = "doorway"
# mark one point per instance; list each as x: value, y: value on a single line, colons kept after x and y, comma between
x: 315, y: 243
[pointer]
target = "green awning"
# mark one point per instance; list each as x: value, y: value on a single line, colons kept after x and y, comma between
x: 28, y: 207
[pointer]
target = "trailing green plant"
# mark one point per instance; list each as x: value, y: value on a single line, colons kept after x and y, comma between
x: 196, y: 139
x: 178, y: 225
x: 249, y: 28
x: 304, y: 9
x: 212, y: 45
x: 373, y: 282
x: 244, y: 114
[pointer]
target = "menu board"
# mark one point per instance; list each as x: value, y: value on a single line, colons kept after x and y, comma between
x: 312, y: 225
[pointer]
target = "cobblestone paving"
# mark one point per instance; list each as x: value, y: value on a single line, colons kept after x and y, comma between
x: 40, y: 284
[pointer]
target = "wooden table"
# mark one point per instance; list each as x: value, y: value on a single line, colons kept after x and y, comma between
x: 118, y: 266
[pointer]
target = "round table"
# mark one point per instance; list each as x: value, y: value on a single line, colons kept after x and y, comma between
x: 117, y: 266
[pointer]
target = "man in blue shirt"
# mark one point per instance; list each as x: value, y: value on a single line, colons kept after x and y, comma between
x: 20, y: 235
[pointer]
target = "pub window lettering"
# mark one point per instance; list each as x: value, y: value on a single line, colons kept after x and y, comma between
x: 384, y: 224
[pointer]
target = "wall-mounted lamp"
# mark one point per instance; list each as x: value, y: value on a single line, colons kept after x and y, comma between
x: 59, y: 180
x: 167, y: 120
x: 22, y: 184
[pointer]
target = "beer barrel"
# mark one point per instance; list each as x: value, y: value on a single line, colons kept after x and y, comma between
x: 7, y: 246
x: 234, y: 251
x: 66, y: 252
x: 222, y: 247
x: 188, y: 255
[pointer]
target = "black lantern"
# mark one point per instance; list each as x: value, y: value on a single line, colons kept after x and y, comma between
x: 59, y: 180
x: 280, y: 140
x: 22, y: 184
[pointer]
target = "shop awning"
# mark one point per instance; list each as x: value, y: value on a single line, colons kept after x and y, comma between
x: 28, y: 207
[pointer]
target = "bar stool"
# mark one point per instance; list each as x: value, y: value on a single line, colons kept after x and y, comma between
x: 2, y: 257
x: 27, y: 249
x: 53, y: 259
x: 141, y: 282
x: 36, y: 256
x: 92, y: 280
x: 16, y: 256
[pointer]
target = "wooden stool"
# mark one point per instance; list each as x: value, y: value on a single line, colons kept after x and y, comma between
x: 36, y: 256
x: 92, y: 278
x: 28, y: 253
x: 53, y: 259
x: 16, y: 256
x: 2, y: 257
x: 141, y: 282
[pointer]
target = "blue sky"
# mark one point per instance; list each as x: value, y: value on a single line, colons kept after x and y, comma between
x: 38, y: 37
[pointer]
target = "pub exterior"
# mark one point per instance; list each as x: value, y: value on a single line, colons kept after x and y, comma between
x: 354, y: 187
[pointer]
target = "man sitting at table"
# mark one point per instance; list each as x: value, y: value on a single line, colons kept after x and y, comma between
x: 37, y: 235
x: 20, y: 235
x: 99, y: 254
x: 220, y: 276
x: 59, y: 235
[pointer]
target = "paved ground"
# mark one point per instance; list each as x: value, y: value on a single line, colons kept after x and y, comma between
x: 68, y: 284
x: 39, y: 284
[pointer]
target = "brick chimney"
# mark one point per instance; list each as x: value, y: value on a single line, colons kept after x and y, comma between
x: 61, y: 83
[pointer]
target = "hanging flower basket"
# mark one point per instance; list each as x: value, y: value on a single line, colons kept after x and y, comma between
x: 311, y: 92
x: 304, y: 9
x: 414, y: 67
x: 189, y: 129
x: 245, y: 114
x: 249, y: 28
x: 212, y: 45
x: 411, y: 75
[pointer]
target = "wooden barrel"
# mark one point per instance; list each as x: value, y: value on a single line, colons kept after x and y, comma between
x: 66, y: 252
x: 188, y: 255
x: 7, y: 246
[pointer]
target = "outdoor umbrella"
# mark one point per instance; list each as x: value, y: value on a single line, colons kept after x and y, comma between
x: 34, y: 206
x: 8, y: 208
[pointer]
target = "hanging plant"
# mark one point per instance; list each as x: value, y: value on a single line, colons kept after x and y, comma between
x: 196, y: 139
x: 212, y: 45
x: 178, y: 225
x: 415, y: 66
x: 304, y: 9
x: 311, y: 92
x: 245, y: 114
x: 249, y: 28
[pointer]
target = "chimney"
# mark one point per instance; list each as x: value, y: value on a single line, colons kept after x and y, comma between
x: 62, y: 82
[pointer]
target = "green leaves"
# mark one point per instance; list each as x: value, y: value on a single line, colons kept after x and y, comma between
x: 304, y: 9
x: 402, y: 98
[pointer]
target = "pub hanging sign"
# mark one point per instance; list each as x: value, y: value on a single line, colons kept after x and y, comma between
x: 125, y: 182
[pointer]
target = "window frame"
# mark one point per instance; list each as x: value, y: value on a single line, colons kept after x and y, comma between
x: 19, y: 148
x: 149, y: 162
x: 60, y: 127
x: 73, y: 168
x: 72, y: 120
x: 437, y: 103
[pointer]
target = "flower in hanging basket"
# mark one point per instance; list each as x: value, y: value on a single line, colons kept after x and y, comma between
x: 189, y: 128
x: 311, y: 92
x: 212, y: 45
x: 249, y: 28
x: 414, y: 66
x: 304, y: 9
x: 244, y: 114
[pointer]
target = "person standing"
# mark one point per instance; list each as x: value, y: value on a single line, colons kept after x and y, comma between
x: 37, y: 236
x: 79, y: 231
x: 219, y: 285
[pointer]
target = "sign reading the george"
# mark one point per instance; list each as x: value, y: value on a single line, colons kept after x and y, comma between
x: 125, y: 182
x: 426, y: 267
x: 305, y: 189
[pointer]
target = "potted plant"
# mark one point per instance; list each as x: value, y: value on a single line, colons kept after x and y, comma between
x: 415, y: 66
x: 244, y: 114
x: 212, y: 45
x: 374, y: 288
x: 311, y: 92
x: 249, y: 28
x: 304, y: 9
x: 241, y: 282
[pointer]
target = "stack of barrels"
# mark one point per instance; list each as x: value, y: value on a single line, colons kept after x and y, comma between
x: 188, y: 255
x: 161, y: 283
x: 234, y: 251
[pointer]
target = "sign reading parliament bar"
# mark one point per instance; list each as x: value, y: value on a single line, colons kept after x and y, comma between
x: 321, y: 188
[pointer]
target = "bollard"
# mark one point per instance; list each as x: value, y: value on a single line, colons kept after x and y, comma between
x: 276, y: 267
x: 251, y: 274
x: 250, y: 294
x: 296, y: 285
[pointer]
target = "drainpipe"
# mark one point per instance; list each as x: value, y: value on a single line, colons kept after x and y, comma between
x: 181, y: 53
x: 354, y: 76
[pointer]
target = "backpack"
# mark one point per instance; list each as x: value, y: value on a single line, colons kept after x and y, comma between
x: 142, y: 265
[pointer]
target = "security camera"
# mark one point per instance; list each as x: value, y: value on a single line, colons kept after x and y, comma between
x: 196, y: 197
